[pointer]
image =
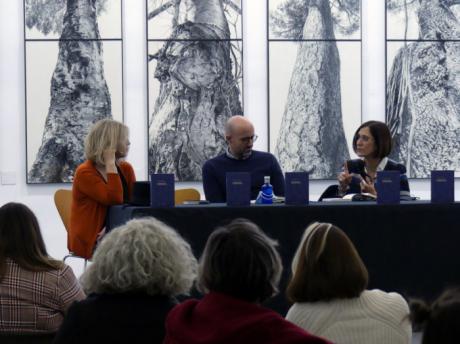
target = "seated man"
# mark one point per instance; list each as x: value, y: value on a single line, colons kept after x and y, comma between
x: 240, y: 157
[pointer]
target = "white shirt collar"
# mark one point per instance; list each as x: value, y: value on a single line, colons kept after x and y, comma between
x: 380, y: 167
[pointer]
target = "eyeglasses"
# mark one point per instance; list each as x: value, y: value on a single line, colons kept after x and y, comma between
x: 252, y: 138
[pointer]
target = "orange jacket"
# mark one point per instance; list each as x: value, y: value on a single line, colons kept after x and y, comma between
x: 91, y: 195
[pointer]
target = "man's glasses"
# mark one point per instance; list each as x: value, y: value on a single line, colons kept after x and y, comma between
x: 252, y: 138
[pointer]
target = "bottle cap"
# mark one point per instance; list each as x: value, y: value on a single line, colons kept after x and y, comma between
x: 267, y: 179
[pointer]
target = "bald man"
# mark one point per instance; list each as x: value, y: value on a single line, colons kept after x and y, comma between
x: 240, y: 157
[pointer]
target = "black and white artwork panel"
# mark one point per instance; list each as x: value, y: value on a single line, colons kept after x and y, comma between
x: 329, y: 20
x: 422, y: 20
x: 314, y: 111
x: 423, y: 102
x: 163, y: 17
x: 194, y: 87
x: 44, y: 19
x: 56, y: 125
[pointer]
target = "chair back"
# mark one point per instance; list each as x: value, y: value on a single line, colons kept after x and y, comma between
x: 182, y: 195
x: 63, y: 202
x: 332, y: 191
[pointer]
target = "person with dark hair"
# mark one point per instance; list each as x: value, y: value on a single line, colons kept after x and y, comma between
x: 239, y: 269
x: 328, y: 289
x: 104, y: 179
x: 372, y: 143
x: 35, y: 289
x: 440, y: 320
x: 137, y: 271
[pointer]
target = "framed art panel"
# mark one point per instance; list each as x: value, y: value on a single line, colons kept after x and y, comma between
x: 44, y: 19
x: 195, y: 80
x: 71, y: 83
x: 423, y: 87
x: 190, y: 100
x: 163, y: 16
x: 287, y: 19
x: 307, y: 113
x: 314, y: 84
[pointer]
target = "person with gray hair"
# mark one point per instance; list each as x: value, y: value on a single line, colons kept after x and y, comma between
x: 137, y: 271
x: 239, y: 269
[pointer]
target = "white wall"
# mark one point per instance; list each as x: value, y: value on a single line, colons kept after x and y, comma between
x: 12, y: 121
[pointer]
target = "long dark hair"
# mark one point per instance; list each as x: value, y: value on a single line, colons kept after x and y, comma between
x: 21, y: 240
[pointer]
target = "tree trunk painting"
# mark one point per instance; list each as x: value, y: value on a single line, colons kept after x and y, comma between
x: 79, y: 96
x: 198, y: 93
x: 311, y: 136
x: 423, y: 94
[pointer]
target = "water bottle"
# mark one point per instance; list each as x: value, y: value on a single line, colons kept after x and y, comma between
x: 266, y: 192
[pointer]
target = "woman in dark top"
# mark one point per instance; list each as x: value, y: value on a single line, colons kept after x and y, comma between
x: 372, y: 143
x: 136, y: 272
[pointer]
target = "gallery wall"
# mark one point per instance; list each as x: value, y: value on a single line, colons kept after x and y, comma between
x: 13, y: 185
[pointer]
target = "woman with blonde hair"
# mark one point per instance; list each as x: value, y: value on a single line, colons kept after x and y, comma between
x: 137, y: 271
x: 104, y: 179
x: 35, y: 289
x: 328, y: 289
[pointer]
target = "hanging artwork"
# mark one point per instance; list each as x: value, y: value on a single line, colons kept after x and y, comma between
x: 314, y: 51
x: 195, y: 81
x: 73, y: 63
x: 423, y: 84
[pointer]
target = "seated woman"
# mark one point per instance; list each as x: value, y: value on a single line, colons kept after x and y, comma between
x: 104, y: 179
x: 35, y: 290
x: 372, y: 143
x: 137, y: 271
x: 239, y: 269
x: 328, y: 289
x: 438, y: 321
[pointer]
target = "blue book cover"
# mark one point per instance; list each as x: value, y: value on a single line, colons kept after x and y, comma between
x: 442, y: 186
x: 388, y: 187
x: 296, y: 188
x: 238, y: 188
x: 162, y: 190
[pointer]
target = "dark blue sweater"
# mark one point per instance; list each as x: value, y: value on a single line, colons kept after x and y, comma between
x: 259, y: 164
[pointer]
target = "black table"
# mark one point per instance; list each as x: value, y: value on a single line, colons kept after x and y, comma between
x: 412, y: 248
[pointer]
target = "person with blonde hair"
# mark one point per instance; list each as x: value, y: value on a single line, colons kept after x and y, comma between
x: 35, y: 289
x: 328, y: 289
x: 104, y: 179
x: 239, y: 269
x: 137, y: 271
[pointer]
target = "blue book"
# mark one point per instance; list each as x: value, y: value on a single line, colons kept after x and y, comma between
x: 442, y: 186
x: 388, y: 187
x: 296, y: 188
x: 238, y: 188
x: 162, y: 190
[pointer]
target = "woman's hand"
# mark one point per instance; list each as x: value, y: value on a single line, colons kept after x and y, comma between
x: 344, y: 179
x: 109, y: 160
x: 367, y: 186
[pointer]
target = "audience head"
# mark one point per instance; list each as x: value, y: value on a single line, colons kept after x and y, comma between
x: 440, y: 320
x: 241, y: 261
x: 144, y: 255
x: 239, y: 134
x: 376, y: 140
x: 326, y: 266
x: 21, y: 240
x: 106, y: 134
